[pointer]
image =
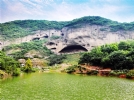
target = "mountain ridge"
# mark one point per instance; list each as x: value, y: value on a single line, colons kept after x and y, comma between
x: 26, y: 27
x: 88, y: 31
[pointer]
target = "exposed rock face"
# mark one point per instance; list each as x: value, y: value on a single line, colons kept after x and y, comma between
x: 75, y: 39
x: 37, y: 36
x: 86, y: 37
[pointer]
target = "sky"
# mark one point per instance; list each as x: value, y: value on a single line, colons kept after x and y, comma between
x: 66, y: 10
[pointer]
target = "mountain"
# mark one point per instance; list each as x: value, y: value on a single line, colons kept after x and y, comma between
x: 80, y: 34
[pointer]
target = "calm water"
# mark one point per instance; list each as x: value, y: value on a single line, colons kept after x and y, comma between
x: 54, y: 86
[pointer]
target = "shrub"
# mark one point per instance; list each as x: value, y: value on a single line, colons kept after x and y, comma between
x: 56, y: 59
x: 130, y: 74
x: 94, y: 57
x: 118, y: 72
x: 92, y: 72
x: 16, y: 72
x: 2, y: 73
x: 71, y: 69
x: 117, y: 60
x: 124, y: 46
x: 28, y: 66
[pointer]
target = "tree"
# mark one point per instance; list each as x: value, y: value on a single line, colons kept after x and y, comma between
x: 94, y: 57
x: 85, y: 58
x: 28, y: 66
x: 124, y: 46
x: 117, y: 59
x: 109, y: 48
x: 56, y: 59
x: 97, y: 56
x: 109, y: 56
x: 130, y: 57
x: 8, y: 64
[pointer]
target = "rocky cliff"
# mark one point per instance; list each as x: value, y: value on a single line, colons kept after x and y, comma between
x: 86, y: 37
x: 75, y: 36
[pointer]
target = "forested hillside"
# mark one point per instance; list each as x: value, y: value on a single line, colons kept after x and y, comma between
x: 21, y: 28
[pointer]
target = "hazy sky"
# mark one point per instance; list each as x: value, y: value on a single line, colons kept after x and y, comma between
x: 64, y: 10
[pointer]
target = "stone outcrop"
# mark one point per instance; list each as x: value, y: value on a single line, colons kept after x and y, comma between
x: 85, y: 38
x: 37, y: 36
x: 73, y: 40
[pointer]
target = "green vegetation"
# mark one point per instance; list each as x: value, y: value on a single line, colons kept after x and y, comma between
x: 130, y: 74
x: 122, y: 26
x: 8, y: 65
x: 118, y: 72
x: 71, y: 69
x: 28, y: 66
x: 63, y: 58
x: 97, y: 20
x: 91, y: 20
x: 56, y: 59
x: 119, y: 57
x: 72, y: 58
x: 21, y: 28
x: 25, y: 47
x: 115, y: 56
x: 54, y: 37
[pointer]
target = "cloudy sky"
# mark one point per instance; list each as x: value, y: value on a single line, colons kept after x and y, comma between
x: 65, y: 10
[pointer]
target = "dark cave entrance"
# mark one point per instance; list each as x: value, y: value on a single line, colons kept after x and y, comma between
x: 51, y: 43
x: 36, y: 38
x: 73, y: 49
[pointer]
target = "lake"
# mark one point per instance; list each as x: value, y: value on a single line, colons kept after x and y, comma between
x: 61, y: 86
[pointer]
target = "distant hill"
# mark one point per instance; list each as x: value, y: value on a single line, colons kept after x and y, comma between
x: 22, y: 28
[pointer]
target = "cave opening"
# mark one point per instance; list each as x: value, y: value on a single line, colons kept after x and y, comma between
x: 73, y: 48
x: 46, y: 36
x: 36, y: 38
x: 53, y: 48
x: 50, y: 43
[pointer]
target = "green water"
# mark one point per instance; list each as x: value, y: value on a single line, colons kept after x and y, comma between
x: 54, y: 86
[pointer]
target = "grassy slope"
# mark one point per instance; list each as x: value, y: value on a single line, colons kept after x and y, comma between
x: 72, y: 58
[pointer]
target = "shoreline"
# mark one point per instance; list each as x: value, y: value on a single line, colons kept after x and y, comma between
x: 122, y: 76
